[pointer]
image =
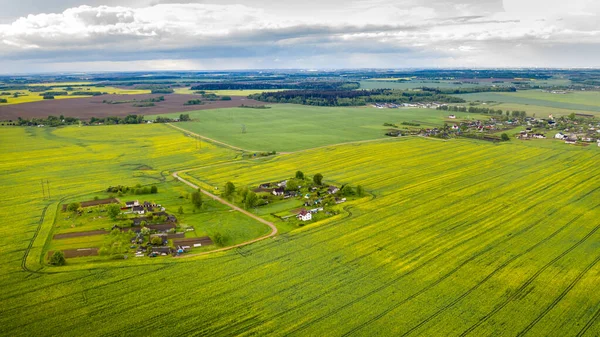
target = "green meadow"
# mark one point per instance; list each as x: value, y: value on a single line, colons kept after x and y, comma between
x: 289, y: 127
x: 456, y: 238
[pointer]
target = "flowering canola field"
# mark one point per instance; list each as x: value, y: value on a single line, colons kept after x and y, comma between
x: 459, y: 238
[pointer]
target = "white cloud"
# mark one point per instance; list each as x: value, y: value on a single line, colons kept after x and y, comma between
x: 373, y: 31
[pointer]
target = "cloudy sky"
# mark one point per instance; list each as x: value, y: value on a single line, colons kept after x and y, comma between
x: 99, y: 35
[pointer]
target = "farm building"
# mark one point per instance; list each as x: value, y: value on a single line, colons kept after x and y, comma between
x: 138, y: 210
x: 304, y: 215
x: 279, y: 191
x: 130, y: 204
x: 332, y: 190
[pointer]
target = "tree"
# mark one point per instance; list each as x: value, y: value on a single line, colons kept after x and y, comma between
x: 505, y: 137
x: 299, y: 175
x: 197, y: 199
x: 360, y: 191
x: 180, y: 211
x: 251, y: 200
x: 156, y: 241
x: 229, y: 189
x: 572, y: 116
x: 292, y: 185
x: 58, y: 258
x: 219, y: 239
x: 153, y: 190
x: 113, y: 211
x: 243, y: 192
x: 347, y: 190
x: 73, y: 207
x: 318, y: 178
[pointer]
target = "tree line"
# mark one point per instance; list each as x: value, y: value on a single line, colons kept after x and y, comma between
x: 353, y: 97
x: 303, y: 85
x: 486, y: 111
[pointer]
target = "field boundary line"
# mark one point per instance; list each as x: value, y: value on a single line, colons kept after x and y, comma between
x: 236, y: 148
x: 209, y: 139
x: 236, y: 208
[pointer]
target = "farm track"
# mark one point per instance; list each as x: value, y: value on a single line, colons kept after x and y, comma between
x: 30, y: 245
x: 236, y: 208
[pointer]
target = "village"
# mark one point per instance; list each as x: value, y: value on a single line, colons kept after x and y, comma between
x: 575, y: 129
x: 300, y: 200
x: 119, y: 229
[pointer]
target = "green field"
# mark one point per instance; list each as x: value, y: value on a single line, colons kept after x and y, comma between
x: 458, y: 237
x: 288, y: 127
x: 537, y: 101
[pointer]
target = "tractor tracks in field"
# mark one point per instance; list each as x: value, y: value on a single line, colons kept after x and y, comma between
x: 530, y: 280
x: 30, y: 245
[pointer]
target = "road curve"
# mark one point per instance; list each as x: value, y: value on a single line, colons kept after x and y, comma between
x: 234, y: 207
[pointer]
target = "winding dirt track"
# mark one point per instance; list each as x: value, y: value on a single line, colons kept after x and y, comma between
x: 234, y: 207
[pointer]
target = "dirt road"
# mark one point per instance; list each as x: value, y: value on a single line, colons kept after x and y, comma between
x: 234, y: 207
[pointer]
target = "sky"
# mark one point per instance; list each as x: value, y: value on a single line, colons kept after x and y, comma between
x: 144, y: 35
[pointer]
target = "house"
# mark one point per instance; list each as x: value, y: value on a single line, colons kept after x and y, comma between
x: 138, y: 210
x: 332, y: 190
x: 290, y: 194
x: 304, y: 215
x: 316, y: 210
x: 455, y: 127
x: 149, y: 205
x: 264, y: 185
x: 539, y: 136
x: 569, y: 141
x: 560, y: 135
x: 452, y: 117
x: 130, y: 204
x: 340, y: 201
x: 279, y: 191
x: 161, y: 250
x: 282, y: 184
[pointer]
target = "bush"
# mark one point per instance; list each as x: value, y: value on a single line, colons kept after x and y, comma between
x: 153, y: 189
x: 156, y: 241
x: 505, y: 137
x: 73, y: 207
x: 219, y: 239
x: 58, y: 258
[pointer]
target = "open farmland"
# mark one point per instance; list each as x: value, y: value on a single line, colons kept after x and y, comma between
x: 88, y: 107
x: 461, y: 237
x: 28, y: 96
x: 572, y: 101
x: 290, y: 127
